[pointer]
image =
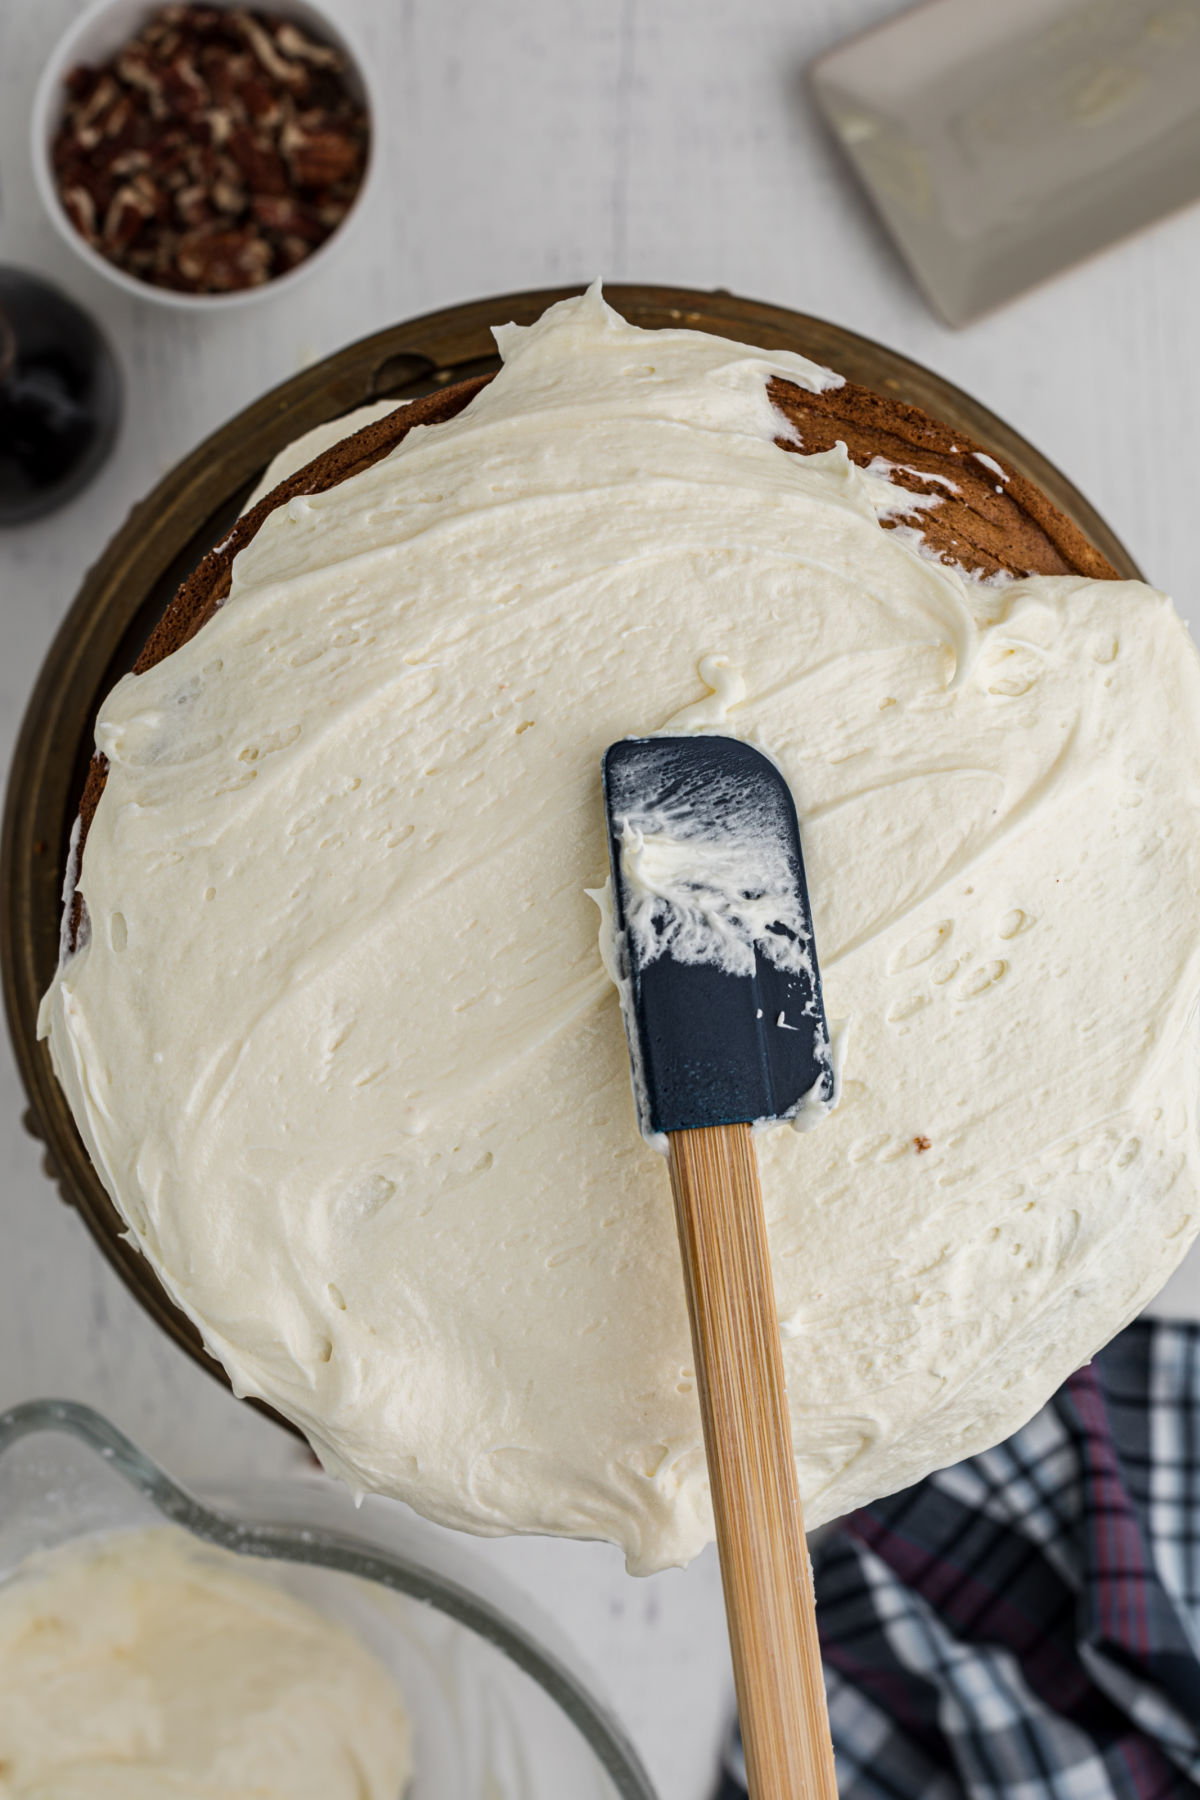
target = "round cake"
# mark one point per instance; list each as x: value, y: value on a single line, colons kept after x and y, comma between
x: 332, y: 1016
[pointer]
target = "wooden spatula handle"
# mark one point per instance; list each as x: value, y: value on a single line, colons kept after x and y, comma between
x: 739, y: 1371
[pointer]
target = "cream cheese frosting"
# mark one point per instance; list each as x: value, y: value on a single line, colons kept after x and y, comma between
x: 342, y: 1046
x: 144, y: 1664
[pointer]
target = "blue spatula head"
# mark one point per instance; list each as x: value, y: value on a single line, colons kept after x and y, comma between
x: 714, y: 939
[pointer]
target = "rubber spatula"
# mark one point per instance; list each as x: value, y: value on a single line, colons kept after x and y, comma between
x: 726, y: 1028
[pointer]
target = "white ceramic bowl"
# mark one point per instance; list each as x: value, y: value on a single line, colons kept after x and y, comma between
x: 93, y: 38
x: 498, y: 1702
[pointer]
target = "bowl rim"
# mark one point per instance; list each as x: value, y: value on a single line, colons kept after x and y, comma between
x: 363, y: 1557
x: 47, y: 108
x: 192, y: 507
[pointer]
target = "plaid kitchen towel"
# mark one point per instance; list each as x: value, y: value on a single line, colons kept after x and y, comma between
x: 1026, y: 1625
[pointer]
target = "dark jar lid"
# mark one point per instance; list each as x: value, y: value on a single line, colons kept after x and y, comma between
x: 60, y: 397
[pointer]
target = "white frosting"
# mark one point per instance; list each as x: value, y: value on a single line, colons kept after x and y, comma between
x: 704, y: 891
x: 310, y: 444
x: 343, y: 1049
x: 145, y: 1665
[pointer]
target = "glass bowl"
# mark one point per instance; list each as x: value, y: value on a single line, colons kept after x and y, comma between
x: 499, y: 1708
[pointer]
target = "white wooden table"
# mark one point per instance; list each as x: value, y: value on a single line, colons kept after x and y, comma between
x: 533, y: 142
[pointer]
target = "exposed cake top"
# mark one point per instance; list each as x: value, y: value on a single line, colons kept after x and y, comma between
x: 342, y: 1046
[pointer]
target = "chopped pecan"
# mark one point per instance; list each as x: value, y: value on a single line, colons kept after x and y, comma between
x: 262, y: 102
x: 318, y: 155
x: 330, y: 213
x: 81, y: 83
x: 289, y: 216
x: 218, y: 67
x: 117, y: 120
x: 293, y: 42
x: 87, y: 131
x: 166, y: 40
x: 81, y: 210
x: 281, y: 68
x: 192, y: 204
x: 220, y: 261
x: 184, y: 89
x: 260, y: 163
x: 292, y: 250
x: 218, y: 121
x: 229, y: 196
x: 136, y: 71
x: 130, y: 162
x: 127, y: 212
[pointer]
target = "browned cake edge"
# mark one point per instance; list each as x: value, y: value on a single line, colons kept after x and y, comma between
x: 986, y: 524
x: 202, y: 593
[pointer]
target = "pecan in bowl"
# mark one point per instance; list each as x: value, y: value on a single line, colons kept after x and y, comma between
x: 213, y: 152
